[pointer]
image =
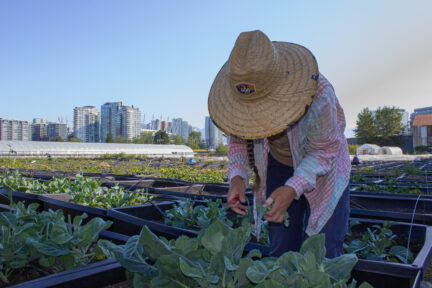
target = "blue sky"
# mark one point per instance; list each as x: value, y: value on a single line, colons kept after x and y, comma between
x: 162, y: 56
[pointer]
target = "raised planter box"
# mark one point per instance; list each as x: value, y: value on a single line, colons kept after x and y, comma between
x: 403, y: 208
x: 95, y: 275
x: 359, y: 186
x: 393, y: 195
x: 27, y: 198
x: 403, y: 275
x: 72, y: 208
x: 99, y: 274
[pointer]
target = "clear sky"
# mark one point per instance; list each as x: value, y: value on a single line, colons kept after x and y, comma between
x: 162, y: 56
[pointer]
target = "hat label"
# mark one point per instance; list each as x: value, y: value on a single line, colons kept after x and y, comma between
x: 245, y: 88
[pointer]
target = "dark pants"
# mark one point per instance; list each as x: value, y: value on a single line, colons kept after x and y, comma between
x: 290, y: 238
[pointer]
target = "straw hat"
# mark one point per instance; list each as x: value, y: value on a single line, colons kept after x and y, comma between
x: 263, y: 88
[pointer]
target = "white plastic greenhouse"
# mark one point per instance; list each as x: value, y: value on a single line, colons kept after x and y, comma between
x: 368, y: 149
x: 389, y: 150
x: 73, y: 149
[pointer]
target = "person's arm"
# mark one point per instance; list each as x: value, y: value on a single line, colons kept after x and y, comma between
x: 238, y: 173
x: 238, y: 162
x: 322, y: 145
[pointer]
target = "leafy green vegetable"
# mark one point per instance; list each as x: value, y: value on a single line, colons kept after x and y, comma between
x: 215, y: 259
x: 83, y: 190
x: 378, y: 244
x: 27, y: 235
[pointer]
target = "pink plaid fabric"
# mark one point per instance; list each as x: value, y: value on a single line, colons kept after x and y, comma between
x: 320, y: 157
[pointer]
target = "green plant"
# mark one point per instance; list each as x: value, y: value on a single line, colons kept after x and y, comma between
x: 353, y: 149
x: 378, y: 244
x: 83, y: 190
x: 215, y: 259
x: 27, y: 235
x: 396, y: 172
x: 187, y: 215
x: 412, y: 170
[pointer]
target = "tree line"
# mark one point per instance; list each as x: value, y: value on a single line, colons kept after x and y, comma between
x: 380, y: 126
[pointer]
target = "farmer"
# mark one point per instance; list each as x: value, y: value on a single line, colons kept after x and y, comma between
x: 286, y: 126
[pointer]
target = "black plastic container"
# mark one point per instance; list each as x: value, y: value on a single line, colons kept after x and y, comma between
x: 394, y: 195
x: 387, y: 207
x: 27, y: 198
x: 72, y: 208
x: 378, y: 273
x: 358, y: 186
x: 99, y: 274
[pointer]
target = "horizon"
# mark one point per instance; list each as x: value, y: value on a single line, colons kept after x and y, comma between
x: 162, y: 59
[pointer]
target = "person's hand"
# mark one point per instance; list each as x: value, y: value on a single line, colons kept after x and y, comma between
x: 281, y: 198
x: 236, y: 196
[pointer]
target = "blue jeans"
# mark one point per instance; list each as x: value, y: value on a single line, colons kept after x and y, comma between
x: 284, y: 239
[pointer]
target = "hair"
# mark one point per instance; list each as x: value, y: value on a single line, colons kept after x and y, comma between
x: 251, y: 157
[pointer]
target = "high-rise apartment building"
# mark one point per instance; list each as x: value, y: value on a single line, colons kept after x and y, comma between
x: 39, y: 130
x: 120, y: 120
x: 213, y: 135
x: 11, y: 129
x: 111, y: 120
x: 185, y: 131
x: 56, y: 130
x: 130, y: 122
x: 176, y: 126
x: 169, y: 127
x: 87, y: 123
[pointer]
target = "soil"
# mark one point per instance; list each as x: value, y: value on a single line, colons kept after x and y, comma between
x: 124, y: 284
x: 22, y: 275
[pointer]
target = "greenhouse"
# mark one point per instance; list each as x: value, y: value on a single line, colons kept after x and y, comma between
x: 368, y: 149
x: 74, y: 149
x: 389, y: 150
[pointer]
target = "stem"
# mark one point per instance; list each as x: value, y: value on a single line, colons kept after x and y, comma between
x: 181, y: 284
x: 3, y: 277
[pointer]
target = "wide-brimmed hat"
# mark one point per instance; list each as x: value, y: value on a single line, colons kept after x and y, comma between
x: 263, y: 88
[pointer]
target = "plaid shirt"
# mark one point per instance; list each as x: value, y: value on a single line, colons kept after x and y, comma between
x: 320, y: 157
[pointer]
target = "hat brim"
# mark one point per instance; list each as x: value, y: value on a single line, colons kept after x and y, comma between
x: 269, y: 115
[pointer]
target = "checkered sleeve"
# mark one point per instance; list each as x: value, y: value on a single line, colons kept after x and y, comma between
x: 322, y: 144
x: 238, y: 159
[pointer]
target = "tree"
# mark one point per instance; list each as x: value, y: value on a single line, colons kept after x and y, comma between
x: 59, y: 139
x: 378, y: 127
x: 222, y: 149
x: 161, y: 137
x: 120, y: 139
x: 366, y: 128
x: 109, y: 138
x: 388, y: 121
x: 194, y: 140
x: 73, y: 139
x: 146, y: 138
x: 177, y: 140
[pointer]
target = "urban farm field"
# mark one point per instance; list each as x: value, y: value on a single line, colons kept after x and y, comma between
x: 204, y: 171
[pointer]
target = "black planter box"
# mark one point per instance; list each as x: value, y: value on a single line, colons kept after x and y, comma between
x: 403, y: 275
x: 358, y: 186
x: 393, y: 195
x: 98, y: 274
x: 403, y: 208
x: 94, y: 275
x: 130, y: 220
x: 27, y: 198
x: 72, y: 209
x: 374, y: 275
